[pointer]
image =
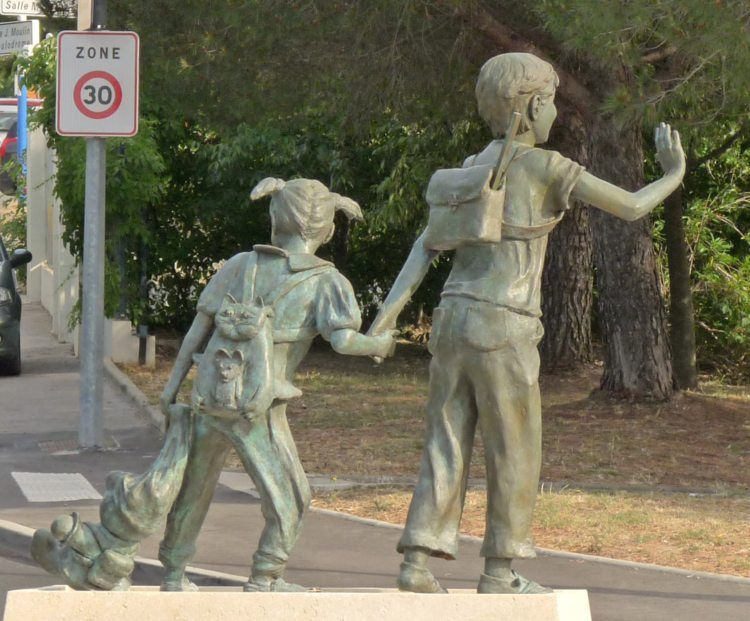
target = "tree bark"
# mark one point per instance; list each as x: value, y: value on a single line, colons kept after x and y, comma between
x: 567, y: 288
x: 339, y: 246
x: 637, y: 361
x: 567, y: 282
x: 681, y: 314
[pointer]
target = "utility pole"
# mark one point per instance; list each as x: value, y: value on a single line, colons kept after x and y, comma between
x: 91, y: 424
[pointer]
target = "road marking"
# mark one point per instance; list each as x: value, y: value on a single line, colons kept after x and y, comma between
x: 55, y: 486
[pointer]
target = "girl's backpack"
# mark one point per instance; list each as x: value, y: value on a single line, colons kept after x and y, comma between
x: 235, y: 377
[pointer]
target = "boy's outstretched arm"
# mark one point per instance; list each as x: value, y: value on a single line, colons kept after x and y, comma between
x: 409, y: 278
x: 633, y: 205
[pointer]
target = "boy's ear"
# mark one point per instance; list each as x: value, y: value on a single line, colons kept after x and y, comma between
x: 535, y: 107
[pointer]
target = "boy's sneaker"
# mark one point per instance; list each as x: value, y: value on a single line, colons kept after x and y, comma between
x: 514, y: 583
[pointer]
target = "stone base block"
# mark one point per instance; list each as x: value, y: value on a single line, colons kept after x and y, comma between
x: 64, y: 604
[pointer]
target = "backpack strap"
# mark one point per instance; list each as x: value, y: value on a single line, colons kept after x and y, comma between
x: 505, y: 158
x: 294, y: 281
x: 513, y: 231
x: 248, y: 280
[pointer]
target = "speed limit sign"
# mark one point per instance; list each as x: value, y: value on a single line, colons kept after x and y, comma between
x: 97, y: 83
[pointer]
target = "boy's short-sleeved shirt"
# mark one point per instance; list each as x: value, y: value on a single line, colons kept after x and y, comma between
x: 509, y: 273
x: 322, y: 304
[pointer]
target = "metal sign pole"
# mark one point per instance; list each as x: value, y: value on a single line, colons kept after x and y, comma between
x: 91, y: 426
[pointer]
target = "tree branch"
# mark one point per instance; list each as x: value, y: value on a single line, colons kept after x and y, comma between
x: 716, y: 152
x: 507, y: 39
x: 657, y: 55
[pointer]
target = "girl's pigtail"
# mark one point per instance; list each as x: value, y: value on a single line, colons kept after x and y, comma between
x: 348, y: 206
x: 269, y: 185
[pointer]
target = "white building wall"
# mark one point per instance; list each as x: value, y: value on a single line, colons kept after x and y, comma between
x: 53, y: 277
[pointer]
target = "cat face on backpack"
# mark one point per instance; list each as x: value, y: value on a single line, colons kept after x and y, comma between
x: 240, y: 322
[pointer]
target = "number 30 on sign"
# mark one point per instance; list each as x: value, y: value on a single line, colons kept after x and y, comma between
x: 97, y: 83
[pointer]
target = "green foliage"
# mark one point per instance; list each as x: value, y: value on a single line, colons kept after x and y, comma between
x: 13, y: 213
x: 247, y: 62
x: 207, y: 216
x: 718, y: 221
x: 13, y: 220
x: 686, y: 60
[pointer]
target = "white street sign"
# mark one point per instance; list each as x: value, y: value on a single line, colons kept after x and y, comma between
x: 16, y: 36
x: 97, y: 83
x: 20, y: 7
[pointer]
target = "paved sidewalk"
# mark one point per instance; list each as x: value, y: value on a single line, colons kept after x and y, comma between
x: 39, y: 414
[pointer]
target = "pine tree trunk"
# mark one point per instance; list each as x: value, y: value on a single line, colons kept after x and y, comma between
x: 681, y: 315
x: 567, y: 283
x: 637, y: 362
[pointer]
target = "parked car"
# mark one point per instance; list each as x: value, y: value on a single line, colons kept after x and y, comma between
x: 10, y: 310
x: 9, y: 139
x: 8, y: 117
x: 8, y: 152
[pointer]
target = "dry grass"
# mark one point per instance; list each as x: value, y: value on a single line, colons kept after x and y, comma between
x: 701, y: 533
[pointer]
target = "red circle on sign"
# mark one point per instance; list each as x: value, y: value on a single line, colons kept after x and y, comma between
x: 116, y: 99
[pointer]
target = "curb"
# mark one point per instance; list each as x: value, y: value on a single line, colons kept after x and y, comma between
x: 151, y: 413
x: 577, y: 556
x: 17, y: 539
x: 573, y: 556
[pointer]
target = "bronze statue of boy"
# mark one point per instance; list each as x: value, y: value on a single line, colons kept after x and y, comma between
x: 485, y: 366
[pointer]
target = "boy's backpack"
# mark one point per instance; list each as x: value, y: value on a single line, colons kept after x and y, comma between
x: 466, y: 204
x: 235, y: 375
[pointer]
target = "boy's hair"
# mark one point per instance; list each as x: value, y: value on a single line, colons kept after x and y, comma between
x: 507, y: 83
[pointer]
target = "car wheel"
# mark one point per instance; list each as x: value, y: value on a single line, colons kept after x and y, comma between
x: 11, y: 366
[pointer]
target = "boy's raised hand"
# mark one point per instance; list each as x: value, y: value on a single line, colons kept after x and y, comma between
x: 669, y: 149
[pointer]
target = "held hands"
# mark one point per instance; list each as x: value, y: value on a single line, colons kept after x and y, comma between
x: 669, y: 149
x: 385, y: 344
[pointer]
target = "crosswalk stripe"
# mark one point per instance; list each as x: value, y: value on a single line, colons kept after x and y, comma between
x: 55, y: 486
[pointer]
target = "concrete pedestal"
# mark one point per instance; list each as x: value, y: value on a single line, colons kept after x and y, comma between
x: 64, y: 604
x: 121, y: 344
